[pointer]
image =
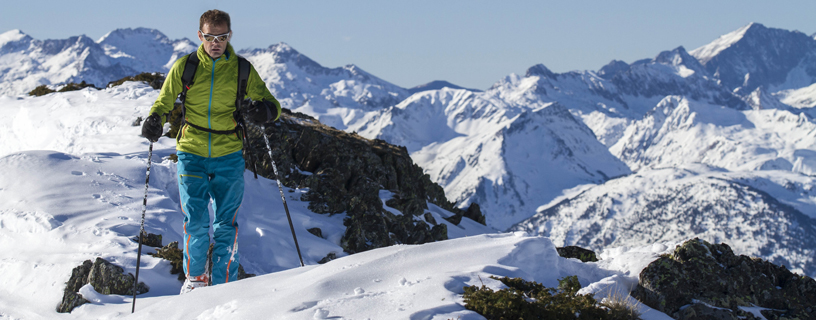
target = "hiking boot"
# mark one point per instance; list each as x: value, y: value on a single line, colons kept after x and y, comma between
x: 195, y: 282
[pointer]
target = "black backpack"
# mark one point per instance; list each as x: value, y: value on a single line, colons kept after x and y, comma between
x: 187, y: 77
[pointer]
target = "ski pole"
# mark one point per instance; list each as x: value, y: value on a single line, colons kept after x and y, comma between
x: 141, y: 229
x: 285, y: 207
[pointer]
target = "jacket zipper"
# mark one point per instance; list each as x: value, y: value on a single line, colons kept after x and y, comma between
x: 209, y: 108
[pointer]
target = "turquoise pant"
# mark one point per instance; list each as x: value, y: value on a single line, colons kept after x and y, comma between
x: 222, y: 180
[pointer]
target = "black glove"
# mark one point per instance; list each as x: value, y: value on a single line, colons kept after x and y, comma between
x: 260, y: 112
x: 152, y: 127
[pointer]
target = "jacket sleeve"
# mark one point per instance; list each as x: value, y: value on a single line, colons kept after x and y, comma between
x: 170, y: 90
x: 257, y: 90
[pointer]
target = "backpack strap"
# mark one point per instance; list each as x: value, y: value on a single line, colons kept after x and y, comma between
x: 243, y: 78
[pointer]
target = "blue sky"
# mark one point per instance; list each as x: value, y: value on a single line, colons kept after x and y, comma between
x: 469, y: 43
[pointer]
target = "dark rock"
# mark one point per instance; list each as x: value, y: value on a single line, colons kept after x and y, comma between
x: 439, y: 232
x: 329, y: 257
x: 700, y: 311
x: 137, y: 122
x: 579, y: 253
x: 155, y: 80
x: 429, y: 218
x: 150, y: 240
x: 474, y: 212
x: 455, y: 219
x: 242, y: 274
x: 698, y: 272
x: 70, y: 298
x: 413, y: 206
x: 316, y: 231
x: 172, y: 253
x: 43, y: 89
x: 105, y: 278
x: 344, y: 173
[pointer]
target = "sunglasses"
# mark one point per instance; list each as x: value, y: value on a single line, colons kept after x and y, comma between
x: 211, y: 38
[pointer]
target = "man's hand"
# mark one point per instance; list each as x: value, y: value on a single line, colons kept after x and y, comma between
x: 260, y: 112
x: 152, y: 128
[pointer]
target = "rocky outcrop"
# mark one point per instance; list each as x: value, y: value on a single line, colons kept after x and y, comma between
x: 150, y: 240
x: 105, y: 278
x: 585, y: 255
x: 172, y: 253
x: 154, y: 79
x: 700, y: 280
x: 344, y: 173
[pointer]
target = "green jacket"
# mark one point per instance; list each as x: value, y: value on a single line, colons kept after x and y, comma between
x: 210, y: 102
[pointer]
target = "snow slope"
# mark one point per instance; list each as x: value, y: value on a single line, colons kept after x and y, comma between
x: 680, y: 131
x: 82, y: 199
x: 767, y: 214
x: 504, y: 154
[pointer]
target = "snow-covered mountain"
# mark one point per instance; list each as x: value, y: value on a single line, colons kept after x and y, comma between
x: 436, y: 85
x: 335, y: 96
x: 680, y: 131
x: 501, y: 154
x: 82, y: 199
x: 27, y: 63
x: 757, y: 56
x: 768, y: 214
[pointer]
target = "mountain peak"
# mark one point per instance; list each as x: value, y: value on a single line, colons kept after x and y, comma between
x: 129, y: 34
x: 12, y: 35
x: 437, y: 85
x: 680, y: 57
x: 612, y: 68
x: 540, y: 70
x: 709, y: 51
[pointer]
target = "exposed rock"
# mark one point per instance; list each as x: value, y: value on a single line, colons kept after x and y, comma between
x: 579, y: 253
x: 154, y: 80
x: 429, y: 218
x: 316, y: 231
x: 44, y: 89
x: 172, y: 253
x: 701, y: 311
x: 344, y: 173
x: 473, y: 212
x: 70, y: 298
x: 105, y: 278
x: 698, y: 273
x: 150, y: 240
x: 242, y: 274
x: 329, y: 257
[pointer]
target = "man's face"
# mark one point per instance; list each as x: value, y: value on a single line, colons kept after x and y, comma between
x: 214, y: 48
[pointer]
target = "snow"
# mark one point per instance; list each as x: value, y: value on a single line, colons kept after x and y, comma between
x: 72, y: 190
x: 74, y: 167
x: 709, y: 51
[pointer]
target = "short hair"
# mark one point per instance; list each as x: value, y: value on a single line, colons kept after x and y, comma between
x: 215, y: 17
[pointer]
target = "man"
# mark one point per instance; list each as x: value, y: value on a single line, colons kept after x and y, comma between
x: 210, y: 163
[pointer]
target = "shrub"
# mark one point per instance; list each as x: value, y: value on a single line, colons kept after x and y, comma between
x: 76, y: 86
x: 620, y: 307
x: 155, y: 80
x: 531, y: 300
x: 43, y: 89
x: 40, y: 91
